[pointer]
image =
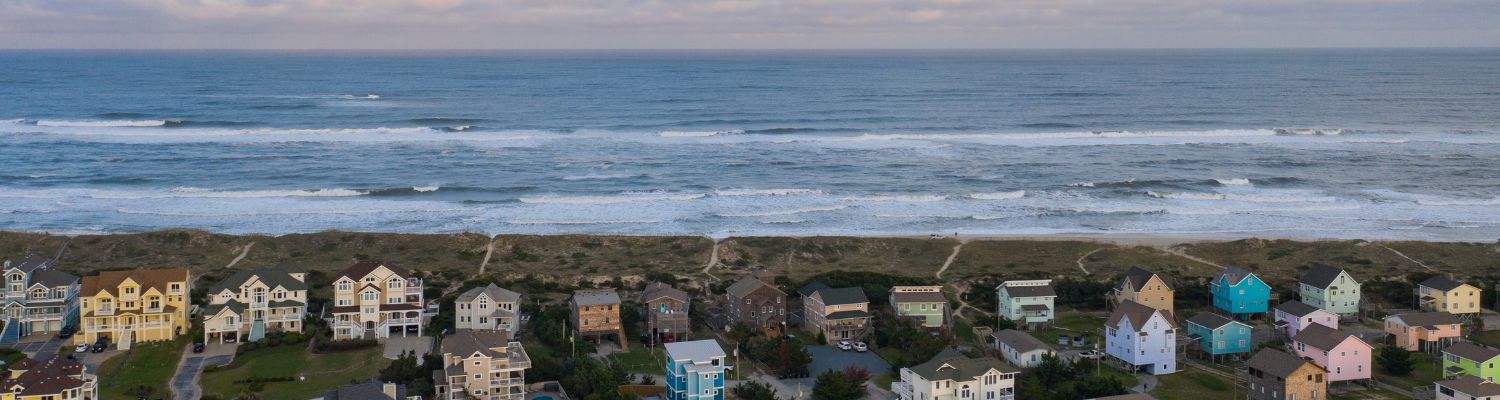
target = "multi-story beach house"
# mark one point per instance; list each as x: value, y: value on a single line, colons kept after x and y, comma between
x: 1028, y: 303
x: 1219, y: 336
x: 1240, y: 293
x: 1439, y: 293
x: 482, y: 365
x: 1144, y: 337
x: 1145, y: 287
x: 1466, y: 388
x: 1277, y: 375
x: 1465, y: 358
x: 1331, y: 289
x: 369, y: 390
x: 38, y: 298
x: 1290, y: 317
x: 489, y: 308
x: 1426, y: 331
x: 924, y: 305
x: 596, y: 313
x: 757, y: 304
x: 837, y: 314
x: 373, y: 299
x: 1344, y: 356
x: 666, y: 309
x: 56, y: 378
x: 250, y: 303
x: 695, y: 370
x: 952, y: 376
x: 143, y: 305
x: 1020, y: 349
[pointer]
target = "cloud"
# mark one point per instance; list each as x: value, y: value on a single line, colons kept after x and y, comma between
x: 743, y: 23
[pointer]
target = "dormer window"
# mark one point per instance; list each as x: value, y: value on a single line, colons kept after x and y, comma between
x: 129, y: 290
x: 344, y: 286
x: 174, y: 288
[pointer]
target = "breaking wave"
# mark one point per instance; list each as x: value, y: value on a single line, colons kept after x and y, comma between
x: 618, y: 199
x: 997, y: 196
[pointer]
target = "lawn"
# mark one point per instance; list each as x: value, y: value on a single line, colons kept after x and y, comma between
x: 1369, y: 394
x: 323, y: 371
x: 1491, y: 338
x: 1190, y: 384
x: 1425, y: 370
x: 145, y: 364
x: 642, y: 360
x: 1071, y: 324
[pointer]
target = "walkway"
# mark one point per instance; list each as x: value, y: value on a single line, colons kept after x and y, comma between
x: 1086, y: 255
x: 185, y: 381
x: 1408, y: 258
x: 713, y: 259
x: 949, y: 261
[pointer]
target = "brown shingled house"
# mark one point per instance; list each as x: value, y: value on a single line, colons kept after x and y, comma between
x: 666, y: 310
x: 1278, y: 375
x: 756, y: 303
x: 596, y: 312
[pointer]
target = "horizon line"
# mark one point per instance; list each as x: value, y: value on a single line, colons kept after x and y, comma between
x: 813, y: 49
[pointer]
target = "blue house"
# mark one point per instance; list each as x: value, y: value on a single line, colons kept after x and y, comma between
x: 695, y: 370
x: 1219, y: 336
x: 1240, y: 293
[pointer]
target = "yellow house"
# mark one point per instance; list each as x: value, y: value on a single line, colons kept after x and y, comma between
x: 376, y: 300
x: 125, y: 307
x: 1145, y: 287
x: 1441, y: 294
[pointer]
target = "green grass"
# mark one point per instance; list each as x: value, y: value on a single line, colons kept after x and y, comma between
x: 642, y: 360
x: 1071, y: 324
x: 323, y: 371
x: 964, y: 331
x: 1189, y: 384
x: 145, y: 364
x: 1369, y: 394
x: 1425, y: 370
x: 1491, y: 338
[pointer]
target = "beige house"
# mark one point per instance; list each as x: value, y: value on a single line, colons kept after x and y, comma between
x: 1278, y: 375
x: 56, y: 378
x: 251, y: 303
x: 489, y: 308
x: 143, y: 305
x: 372, y: 299
x: 839, y: 314
x: 482, y: 364
x: 1145, y: 287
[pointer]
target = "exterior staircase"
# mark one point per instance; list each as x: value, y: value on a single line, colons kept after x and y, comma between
x: 257, y: 330
x: 12, y: 333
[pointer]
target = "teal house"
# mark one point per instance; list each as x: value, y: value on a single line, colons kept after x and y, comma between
x: 1240, y: 293
x: 1217, y: 335
x: 695, y: 370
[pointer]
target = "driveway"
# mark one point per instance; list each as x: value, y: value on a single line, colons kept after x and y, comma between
x: 394, y: 346
x: 185, y: 381
x: 828, y: 358
x: 40, y: 349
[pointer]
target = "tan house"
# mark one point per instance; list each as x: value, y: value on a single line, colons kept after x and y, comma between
x: 1145, y: 287
x: 596, y: 312
x: 756, y: 303
x: 373, y: 300
x: 489, y: 308
x: 250, y: 303
x: 839, y: 314
x: 143, y: 305
x: 1278, y: 375
x: 56, y: 378
x: 1426, y: 331
x: 666, y: 310
x: 482, y: 364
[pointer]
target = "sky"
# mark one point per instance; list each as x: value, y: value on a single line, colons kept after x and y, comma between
x: 744, y: 24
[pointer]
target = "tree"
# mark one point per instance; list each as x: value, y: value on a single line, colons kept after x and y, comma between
x: 837, y: 385
x: 752, y: 390
x: 1397, y: 361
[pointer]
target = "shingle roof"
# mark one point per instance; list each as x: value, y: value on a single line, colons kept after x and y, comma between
x: 1276, y: 362
x: 1209, y: 320
x: 595, y: 297
x: 1320, y: 276
x: 1471, y: 351
x: 1020, y: 341
x: 31, y: 262
x: 466, y: 342
x: 807, y: 290
x: 1296, y: 308
x: 53, y: 278
x: 1427, y: 319
x: 272, y: 276
x: 1137, y: 277
x: 495, y: 293
x: 1233, y: 274
x: 48, y: 377
x: 919, y: 297
x: 747, y: 285
x: 1320, y: 336
x: 659, y: 290
x: 951, y: 365
x: 109, y: 281
x: 362, y: 268
x: 1030, y: 291
x: 847, y: 315
x: 849, y: 295
x: 1441, y: 283
x: 369, y: 390
x: 214, y: 309
x: 697, y: 350
x: 1137, y: 313
x: 1472, y: 386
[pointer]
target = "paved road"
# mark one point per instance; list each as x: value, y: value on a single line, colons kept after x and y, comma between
x: 185, y: 382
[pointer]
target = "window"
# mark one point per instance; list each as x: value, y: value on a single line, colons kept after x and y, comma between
x: 175, y: 288
x: 393, y: 284
x: 344, y: 286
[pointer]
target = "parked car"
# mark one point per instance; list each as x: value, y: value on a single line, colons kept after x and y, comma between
x: 845, y: 346
x: 1091, y: 354
x: 100, y: 345
x: 231, y: 338
x: 198, y: 347
x: 81, y: 348
x: 66, y: 332
x: 1079, y: 341
x: 861, y: 347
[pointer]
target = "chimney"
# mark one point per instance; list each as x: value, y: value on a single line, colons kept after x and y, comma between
x: 7, y: 264
x: 389, y: 389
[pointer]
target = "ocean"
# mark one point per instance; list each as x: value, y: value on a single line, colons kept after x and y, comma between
x: 1303, y: 144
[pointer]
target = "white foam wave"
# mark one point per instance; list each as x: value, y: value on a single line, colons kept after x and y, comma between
x: 773, y: 213
x: 698, y: 133
x: 1233, y: 182
x: 1460, y: 202
x: 997, y: 196
x: 1083, y: 184
x: 782, y: 221
x: 622, y: 198
x: 17, y: 121
x: 1308, y: 132
x: 1254, y: 198
x: 582, y: 222
x: 365, y: 97
x: 592, y: 177
x: 900, y: 198
x: 119, y: 123
x: 426, y: 189
x: 764, y: 192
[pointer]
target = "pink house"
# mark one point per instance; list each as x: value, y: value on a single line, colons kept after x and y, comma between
x: 1292, y: 316
x: 1344, y: 356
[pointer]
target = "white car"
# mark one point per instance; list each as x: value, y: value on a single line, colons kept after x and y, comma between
x: 844, y: 345
x: 81, y: 348
x: 861, y: 347
x: 1091, y: 354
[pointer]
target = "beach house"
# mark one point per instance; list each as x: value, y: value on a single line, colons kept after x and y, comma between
x: 1344, y: 356
x: 1145, y: 287
x: 142, y: 305
x: 666, y: 309
x: 370, y: 390
x: 924, y: 305
x: 757, y: 304
x: 695, y: 370
x: 1292, y: 316
x: 1143, y: 337
x: 596, y: 313
x: 489, y: 308
x: 1240, y: 293
x: 247, y: 304
x: 1276, y: 375
x: 1331, y: 289
x: 373, y: 299
x: 1425, y: 331
x: 1465, y: 388
x: 952, y: 376
x: 1028, y: 303
x: 1439, y: 293
x: 482, y: 365
x: 1465, y: 358
x: 1020, y: 349
x: 39, y: 298
x: 56, y: 378
x: 836, y: 313
x: 1217, y: 335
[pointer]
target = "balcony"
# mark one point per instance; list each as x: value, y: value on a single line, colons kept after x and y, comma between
x: 902, y: 389
x: 283, y: 317
x: 506, y: 382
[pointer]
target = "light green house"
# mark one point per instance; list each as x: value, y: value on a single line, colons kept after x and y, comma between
x: 925, y: 305
x: 1465, y: 358
x: 1026, y: 302
x: 1330, y: 289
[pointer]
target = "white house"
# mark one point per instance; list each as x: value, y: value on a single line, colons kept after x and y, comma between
x: 1143, y: 337
x: 1020, y: 349
x: 1029, y: 303
x: 952, y: 376
x: 1294, y: 316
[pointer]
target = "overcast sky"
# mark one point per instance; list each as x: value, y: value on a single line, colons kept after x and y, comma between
x: 716, y: 24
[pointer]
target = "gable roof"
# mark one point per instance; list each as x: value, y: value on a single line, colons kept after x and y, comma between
x: 811, y: 287
x: 495, y: 293
x: 214, y: 309
x: 1427, y: 319
x: 1472, y: 386
x: 1137, y: 277
x: 52, y: 278
x: 30, y: 262
x: 1441, y: 283
x: 368, y: 390
x: 362, y: 268
x: 919, y: 297
x: 749, y: 284
x: 1234, y: 275
x: 47, y: 377
x: 1137, y: 313
x: 1210, y: 320
x: 1471, y: 351
x: 696, y: 350
x: 1321, y: 276
x: 1322, y: 337
x: 951, y: 365
x: 1276, y: 362
x: 109, y: 281
x: 848, y: 295
x: 596, y: 297
x: 1296, y: 308
x: 1020, y: 341
x: 466, y: 342
x: 657, y: 290
x: 1030, y: 291
x: 272, y: 276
